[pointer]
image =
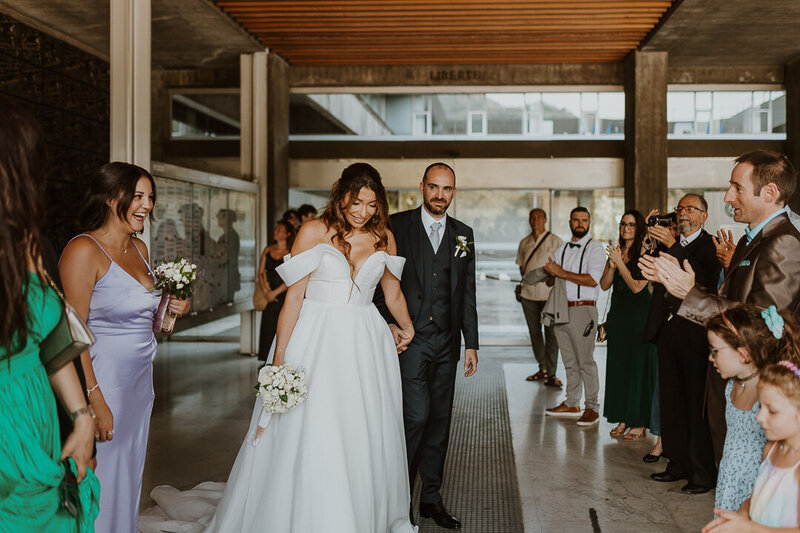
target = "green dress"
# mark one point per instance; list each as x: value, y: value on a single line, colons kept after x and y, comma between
x: 31, y: 494
x: 631, y: 364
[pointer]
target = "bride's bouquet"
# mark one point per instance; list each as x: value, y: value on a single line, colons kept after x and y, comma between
x: 281, y: 387
x: 174, y: 278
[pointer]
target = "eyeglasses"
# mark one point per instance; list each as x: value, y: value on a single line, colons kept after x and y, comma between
x: 627, y: 224
x: 690, y: 210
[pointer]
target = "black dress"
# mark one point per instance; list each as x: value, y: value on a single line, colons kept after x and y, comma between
x: 269, y: 317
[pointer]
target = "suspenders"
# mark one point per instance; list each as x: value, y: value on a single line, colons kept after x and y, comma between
x: 580, y: 264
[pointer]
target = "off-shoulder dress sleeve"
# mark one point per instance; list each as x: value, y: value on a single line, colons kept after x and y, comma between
x: 395, y: 265
x: 295, y: 268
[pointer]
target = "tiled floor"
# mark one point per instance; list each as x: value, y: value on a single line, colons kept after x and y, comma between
x: 204, y: 397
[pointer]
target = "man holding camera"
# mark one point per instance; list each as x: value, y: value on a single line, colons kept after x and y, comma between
x: 683, y: 351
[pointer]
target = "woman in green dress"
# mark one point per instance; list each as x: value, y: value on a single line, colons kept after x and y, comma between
x: 32, y: 476
x: 631, y: 364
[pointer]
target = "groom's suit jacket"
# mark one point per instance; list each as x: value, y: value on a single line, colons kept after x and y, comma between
x: 407, y: 229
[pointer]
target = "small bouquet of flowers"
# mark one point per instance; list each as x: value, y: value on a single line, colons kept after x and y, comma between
x: 173, y: 278
x: 280, y: 388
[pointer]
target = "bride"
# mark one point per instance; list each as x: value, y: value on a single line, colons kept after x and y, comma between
x: 336, y: 463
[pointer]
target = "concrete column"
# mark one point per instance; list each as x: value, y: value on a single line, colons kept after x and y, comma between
x: 277, y: 138
x: 646, y: 131
x: 130, y: 81
x: 792, y: 81
x: 130, y: 85
x: 254, y: 157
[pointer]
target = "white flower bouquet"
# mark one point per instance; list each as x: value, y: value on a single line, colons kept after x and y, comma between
x: 281, y: 387
x: 173, y: 278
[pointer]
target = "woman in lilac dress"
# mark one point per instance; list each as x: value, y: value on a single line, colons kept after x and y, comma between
x: 107, y: 278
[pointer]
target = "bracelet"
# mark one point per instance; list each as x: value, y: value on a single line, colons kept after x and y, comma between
x: 90, y: 391
x: 85, y: 410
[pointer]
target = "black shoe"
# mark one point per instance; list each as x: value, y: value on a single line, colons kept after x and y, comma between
x: 691, y: 488
x: 666, y: 477
x: 439, y: 514
x: 650, y: 458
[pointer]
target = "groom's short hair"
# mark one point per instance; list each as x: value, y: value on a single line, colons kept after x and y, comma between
x: 438, y: 164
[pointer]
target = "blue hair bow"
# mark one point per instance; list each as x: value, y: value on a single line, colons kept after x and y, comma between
x: 773, y: 320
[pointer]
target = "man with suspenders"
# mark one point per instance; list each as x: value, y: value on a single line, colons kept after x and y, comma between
x: 580, y: 263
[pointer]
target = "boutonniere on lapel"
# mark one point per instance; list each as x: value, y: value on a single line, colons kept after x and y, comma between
x: 745, y: 263
x: 462, y: 246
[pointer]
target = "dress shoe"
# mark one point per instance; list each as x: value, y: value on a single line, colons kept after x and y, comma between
x: 439, y: 514
x: 590, y: 417
x: 691, y: 488
x: 666, y: 477
x: 563, y: 410
x: 650, y: 458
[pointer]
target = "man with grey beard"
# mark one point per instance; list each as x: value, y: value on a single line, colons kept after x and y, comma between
x: 683, y: 354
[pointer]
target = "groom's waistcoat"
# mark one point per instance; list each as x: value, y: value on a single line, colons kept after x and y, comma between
x: 436, y: 283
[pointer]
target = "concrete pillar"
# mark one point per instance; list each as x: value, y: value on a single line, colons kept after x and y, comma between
x: 130, y: 85
x: 646, y: 131
x: 792, y: 81
x: 277, y: 138
x: 254, y: 157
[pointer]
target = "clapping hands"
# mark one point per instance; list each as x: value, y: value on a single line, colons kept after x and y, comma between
x: 614, y: 253
x: 666, y: 270
x: 725, y: 247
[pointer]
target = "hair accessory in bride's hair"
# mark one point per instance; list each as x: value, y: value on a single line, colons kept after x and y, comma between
x: 791, y: 366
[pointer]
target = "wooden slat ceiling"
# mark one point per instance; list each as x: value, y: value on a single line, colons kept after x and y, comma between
x: 411, y: 32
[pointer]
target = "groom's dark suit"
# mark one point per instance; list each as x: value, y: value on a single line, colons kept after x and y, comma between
x: 439, y: 287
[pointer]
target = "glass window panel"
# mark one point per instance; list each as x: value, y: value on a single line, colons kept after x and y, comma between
x: 239, y: 243
x: 449, y: 114
x: 680, y: 107
x: 703, y: 100
x: 205, y: 115
x: 504, y: 113
x: 589, y: 102
x: 563, y: 110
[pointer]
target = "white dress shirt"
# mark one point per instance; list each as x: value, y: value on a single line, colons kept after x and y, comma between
x: 685, y: 241
x: 428, y: 220
x: 594, y: 262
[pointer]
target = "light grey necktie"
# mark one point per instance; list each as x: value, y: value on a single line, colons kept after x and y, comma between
x: 434, y: 235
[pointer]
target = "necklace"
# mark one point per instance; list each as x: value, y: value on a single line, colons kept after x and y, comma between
x: 120, y: 248
x: 741, y: 381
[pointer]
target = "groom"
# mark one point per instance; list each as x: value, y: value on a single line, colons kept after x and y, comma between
x: 438, y: 282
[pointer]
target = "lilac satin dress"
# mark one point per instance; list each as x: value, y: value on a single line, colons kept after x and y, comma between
x: 121, y: 316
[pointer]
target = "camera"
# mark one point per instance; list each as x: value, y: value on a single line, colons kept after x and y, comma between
x: 662, y: 220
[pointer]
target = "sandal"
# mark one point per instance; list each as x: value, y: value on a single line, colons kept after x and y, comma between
x: 634, y: 435
x: 541, y: 375
x: 553, y: 381
x: 618, y: 431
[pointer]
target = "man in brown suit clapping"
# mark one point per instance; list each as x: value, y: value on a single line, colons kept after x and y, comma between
x: 764, y: 269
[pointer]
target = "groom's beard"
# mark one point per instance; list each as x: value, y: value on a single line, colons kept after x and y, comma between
x: 438, y: 208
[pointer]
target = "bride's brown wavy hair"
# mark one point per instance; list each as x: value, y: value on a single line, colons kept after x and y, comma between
x: 343, y: 194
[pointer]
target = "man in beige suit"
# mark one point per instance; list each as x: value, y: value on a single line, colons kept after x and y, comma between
x: 764, y: 270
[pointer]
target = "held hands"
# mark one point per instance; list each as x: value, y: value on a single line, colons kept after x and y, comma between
x: 402, y: 337
x: 725, y: 247
x: 179, y: 307
x: 728, y: 522
x: 553, y: 268
x: 79, y: 444
x: 272, y: 296
x: 470, y: 362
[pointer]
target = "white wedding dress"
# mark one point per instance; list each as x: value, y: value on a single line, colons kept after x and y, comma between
x: 337, y: 462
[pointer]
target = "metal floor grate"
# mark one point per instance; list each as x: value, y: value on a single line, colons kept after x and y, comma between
x: 480, y: 479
